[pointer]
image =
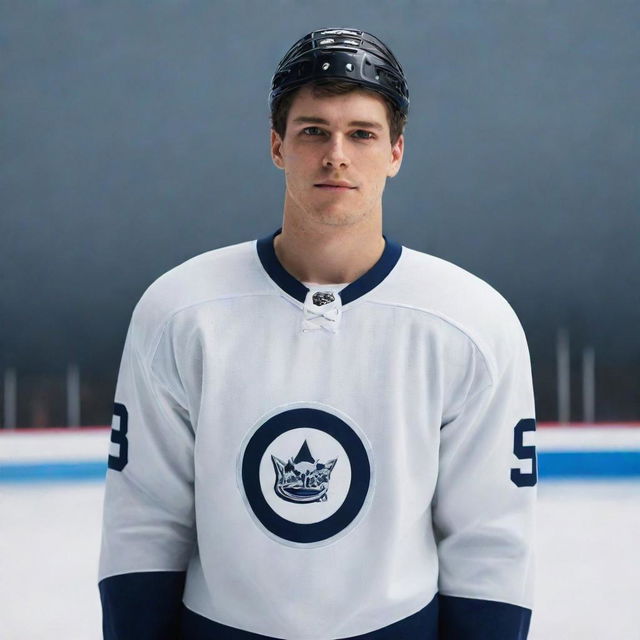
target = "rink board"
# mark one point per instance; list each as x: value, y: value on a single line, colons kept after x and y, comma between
x: 567, y: 451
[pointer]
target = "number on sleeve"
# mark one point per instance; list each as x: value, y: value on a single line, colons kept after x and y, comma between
x: 119, y: 437
x: 520, y: 478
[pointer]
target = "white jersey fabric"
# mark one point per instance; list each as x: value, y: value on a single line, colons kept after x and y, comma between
x: 323, y: 463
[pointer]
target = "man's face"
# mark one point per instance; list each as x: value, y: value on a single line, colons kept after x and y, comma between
x: 336, y: 155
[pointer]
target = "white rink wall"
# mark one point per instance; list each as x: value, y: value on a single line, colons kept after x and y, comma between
x: 570, y: 452
x: 40, y: 445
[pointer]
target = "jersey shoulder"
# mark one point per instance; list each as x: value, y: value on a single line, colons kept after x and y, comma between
x: 226, y: 272
x: 461, y: 299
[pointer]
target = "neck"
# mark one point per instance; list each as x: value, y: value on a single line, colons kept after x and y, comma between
x: 328, y: 254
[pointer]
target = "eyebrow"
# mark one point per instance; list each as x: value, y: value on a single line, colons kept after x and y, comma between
x: 365, y: 124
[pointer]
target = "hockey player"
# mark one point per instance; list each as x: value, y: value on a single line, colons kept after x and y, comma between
x: 322, y: 434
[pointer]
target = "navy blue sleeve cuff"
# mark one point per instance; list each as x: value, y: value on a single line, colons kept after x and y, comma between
x: 470, y: 619
x: 142, y: 606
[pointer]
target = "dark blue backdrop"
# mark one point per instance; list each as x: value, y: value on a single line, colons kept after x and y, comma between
x: 135, y: 135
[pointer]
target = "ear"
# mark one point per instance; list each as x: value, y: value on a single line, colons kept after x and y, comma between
x: 397, y: 151
x: 276, y: 149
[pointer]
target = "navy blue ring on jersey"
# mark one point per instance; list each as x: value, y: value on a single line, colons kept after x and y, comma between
x: 365, y: 283
x: 360, y: 474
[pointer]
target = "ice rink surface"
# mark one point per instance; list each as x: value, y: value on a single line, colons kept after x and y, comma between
x: 588, y: 561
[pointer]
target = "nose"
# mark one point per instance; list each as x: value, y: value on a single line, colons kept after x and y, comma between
x: 335, y: 155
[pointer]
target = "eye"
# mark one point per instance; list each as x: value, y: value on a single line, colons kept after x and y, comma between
x: 361, y: 134
x: 312, y: 131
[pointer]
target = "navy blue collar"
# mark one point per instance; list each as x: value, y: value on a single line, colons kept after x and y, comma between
x: 351, y: 292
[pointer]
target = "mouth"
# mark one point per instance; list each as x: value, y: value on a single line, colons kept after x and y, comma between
x: 334, y: 186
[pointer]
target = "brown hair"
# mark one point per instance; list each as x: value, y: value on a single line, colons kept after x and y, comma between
x: 396, y: 119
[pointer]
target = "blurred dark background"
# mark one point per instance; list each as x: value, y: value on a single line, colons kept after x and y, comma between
x: 135, y: 135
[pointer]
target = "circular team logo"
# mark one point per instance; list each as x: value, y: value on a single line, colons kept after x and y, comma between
x: 306, y: 474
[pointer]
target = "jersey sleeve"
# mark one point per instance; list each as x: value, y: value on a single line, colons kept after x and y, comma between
x: 148, y: 520
x: 483, y: 510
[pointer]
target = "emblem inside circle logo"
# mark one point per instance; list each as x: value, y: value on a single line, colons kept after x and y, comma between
x: 302, y: 479
x: 306, y: 475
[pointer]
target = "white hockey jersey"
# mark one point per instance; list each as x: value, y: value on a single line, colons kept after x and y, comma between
x: 320, y: 463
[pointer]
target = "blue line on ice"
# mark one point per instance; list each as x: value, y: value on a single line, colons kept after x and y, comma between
x: 52, y: 471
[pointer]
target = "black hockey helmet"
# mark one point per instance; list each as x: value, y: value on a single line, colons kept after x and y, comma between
x: 341, y: 54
